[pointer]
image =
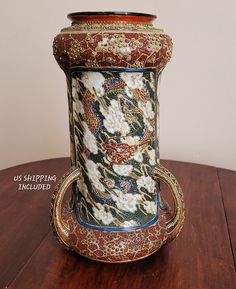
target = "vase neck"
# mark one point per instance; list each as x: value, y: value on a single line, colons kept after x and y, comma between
x: 111, y: 17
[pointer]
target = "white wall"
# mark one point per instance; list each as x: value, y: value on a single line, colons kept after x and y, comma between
x: 198, y: 118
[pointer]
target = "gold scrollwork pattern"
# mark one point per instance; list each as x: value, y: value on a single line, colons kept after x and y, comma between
x: 174, y: 225
x: 106, y: 48
x: 60, y: 227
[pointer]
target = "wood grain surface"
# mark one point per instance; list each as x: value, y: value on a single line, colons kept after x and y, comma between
x: 227, y: 180
x: 202, y: 257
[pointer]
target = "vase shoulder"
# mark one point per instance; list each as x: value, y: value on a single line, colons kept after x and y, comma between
x: 111, y: 26
x: 112, y: 48
x: 126, y: 41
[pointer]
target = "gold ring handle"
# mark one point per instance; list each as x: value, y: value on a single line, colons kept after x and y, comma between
x: 175, y: 224
x: 60, y: 228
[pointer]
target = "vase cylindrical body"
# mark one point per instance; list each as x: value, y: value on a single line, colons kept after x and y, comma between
x: 113, y: 62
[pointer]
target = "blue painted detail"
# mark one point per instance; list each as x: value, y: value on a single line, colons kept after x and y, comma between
x: 158, y: 201
x: 123, y: 187
x: 107, y: 229
x: 128, y: 229
x: 111, y: 82
x: 143, y: 134
x: 78, y: 68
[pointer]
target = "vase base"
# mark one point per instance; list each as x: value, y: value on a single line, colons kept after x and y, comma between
x: 117, y: 262
x: 113, y: 247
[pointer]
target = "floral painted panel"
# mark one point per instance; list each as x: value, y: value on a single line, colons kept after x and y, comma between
x: 114, y: 114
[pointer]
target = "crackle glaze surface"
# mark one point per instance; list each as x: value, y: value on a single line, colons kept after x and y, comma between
x: 114, y: 247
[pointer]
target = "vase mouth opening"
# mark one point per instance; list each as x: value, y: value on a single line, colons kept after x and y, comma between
x: 111, y: 16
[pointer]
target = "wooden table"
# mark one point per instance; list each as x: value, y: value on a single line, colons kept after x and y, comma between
x: 203, y: 257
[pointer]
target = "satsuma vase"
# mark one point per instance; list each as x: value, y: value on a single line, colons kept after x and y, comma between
x: 113, y: 62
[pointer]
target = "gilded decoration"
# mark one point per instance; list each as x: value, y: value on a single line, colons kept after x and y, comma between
x: 114, y: 115
x: 149, y: 48
x: 113, y: 62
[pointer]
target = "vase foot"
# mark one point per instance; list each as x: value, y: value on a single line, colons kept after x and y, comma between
x: 114, y: 247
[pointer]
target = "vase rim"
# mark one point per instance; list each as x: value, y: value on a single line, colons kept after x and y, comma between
x: 110, y: 13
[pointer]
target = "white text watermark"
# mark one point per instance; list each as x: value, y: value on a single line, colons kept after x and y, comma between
x: 34, y: 182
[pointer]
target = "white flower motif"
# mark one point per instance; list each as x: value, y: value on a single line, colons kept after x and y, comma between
x: 148, y: 113
x: 104, y: 43
x: 128, y: 92
x: 152, y: 82
x: 98, y: 185
x: 147, y: 109
x: 131, y: 140
x: 125, y: 50
x: 150, y: 207
x: 94, y: 175
x: 148, y: 183
x: 78, y: 107
x: 75, y: 89
x: 89, y: 139
x: 130, y: 223
x: 138, y: 157
x: 114, y: 119
x: 93, y: 81
x: 82, y: 188
x: 118, y: 46
x: 101, y: 215
x: 133, y: 80
x: 125, y: 201
x: 125, y: 129
x: 152, y: 157
x: 92, y: 168
x: 122, y: 170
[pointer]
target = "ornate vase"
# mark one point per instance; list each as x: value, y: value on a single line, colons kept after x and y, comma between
x: 112, y: 62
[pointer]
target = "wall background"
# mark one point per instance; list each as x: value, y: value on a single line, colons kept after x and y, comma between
x: 198, y: 105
